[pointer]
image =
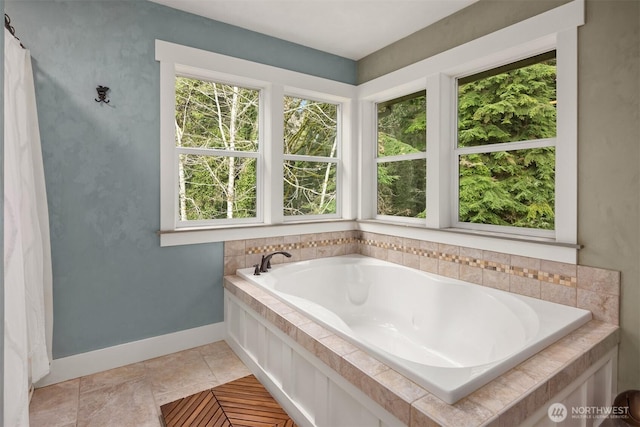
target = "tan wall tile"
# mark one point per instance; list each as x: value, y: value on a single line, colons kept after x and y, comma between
x: 496, y: 257
x: 429, y: 264
x: 330, y: 250
x: 412, y: 245
x: 234, y: 247
x: 448, y: 249
x: 448, y: 269
x: 250, y: 244
x: 524, y: 286
x: 411, y: 260
x: 525, y: 262
x: 604, y: 307
x: 558, y: 268
x: 396, y: 243
x: 560, y: 294
x: 308, y: 253
x: 428, y: 246
x: 495, y: 279
x: 232, y: 263
x: 475, y: 254
x: 599, y: 280
x: 395, y: 256
x: 471, y: 274
x: 380, y: 253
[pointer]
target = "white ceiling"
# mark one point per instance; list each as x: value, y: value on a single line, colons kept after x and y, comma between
x: 349, y: 28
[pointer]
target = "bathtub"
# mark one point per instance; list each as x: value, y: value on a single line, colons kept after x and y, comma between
x: 448, y: 336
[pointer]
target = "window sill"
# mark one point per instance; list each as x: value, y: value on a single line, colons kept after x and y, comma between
x: 196, y: 235
x: 533, y: 247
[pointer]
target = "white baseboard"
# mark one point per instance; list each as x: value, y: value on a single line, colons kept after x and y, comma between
x: 78, y: 365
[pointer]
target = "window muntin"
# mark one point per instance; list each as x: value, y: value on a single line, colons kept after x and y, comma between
x: 217, y: 149
x: 505, y: 155
x: 311, y: 154
x: 401, y: 156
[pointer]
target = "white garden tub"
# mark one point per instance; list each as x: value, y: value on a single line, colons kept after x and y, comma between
x: 449, y: 336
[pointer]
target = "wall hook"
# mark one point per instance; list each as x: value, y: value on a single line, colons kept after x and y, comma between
x: 102, y: 94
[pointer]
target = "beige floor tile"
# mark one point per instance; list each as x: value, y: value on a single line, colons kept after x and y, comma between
x: 112, y: 377
x: 126, y: 404
x: 132, y: 395
x: 227, y: 367
x: 216, y: 348
x: 178, y: 371
x: 55, y: 405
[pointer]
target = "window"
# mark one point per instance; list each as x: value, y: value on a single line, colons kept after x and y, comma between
x: 501, y: 142
x: 303, y: 163
x: 311, y: 147
x: 217, y: 147
x: 401, y: 156
x: 505, y: 151
x: 504, y: 155
x: 250, y: 150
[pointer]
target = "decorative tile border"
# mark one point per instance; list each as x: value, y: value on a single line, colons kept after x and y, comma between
x: 299, y: 245
x: 558, y: 279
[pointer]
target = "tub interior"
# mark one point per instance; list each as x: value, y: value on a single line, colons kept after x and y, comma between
x: 440, y: 324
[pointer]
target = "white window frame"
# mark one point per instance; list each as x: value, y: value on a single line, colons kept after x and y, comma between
x: 488, y: 148
x: 552, y: 30
x: 273, y: 83
x: 208, y: 75
x: 320, y: 159
x: 388, y: 159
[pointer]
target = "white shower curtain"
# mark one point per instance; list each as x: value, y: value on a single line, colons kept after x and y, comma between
x: 27, y: 252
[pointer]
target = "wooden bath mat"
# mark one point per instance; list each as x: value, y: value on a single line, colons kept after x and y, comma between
x: 243, y: 402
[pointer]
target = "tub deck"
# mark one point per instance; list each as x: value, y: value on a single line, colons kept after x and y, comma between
x: 506, y: 401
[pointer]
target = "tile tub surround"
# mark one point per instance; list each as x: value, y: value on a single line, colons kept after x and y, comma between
x: 594, y: 289
x: 507, y: 400
x: 246, y: 253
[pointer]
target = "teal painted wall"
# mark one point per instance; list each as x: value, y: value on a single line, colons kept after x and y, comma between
x: 113, y: 283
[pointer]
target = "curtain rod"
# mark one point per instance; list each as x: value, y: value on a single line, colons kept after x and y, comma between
x: 7, y: 25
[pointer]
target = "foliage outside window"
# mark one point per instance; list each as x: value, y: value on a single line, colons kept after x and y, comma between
x: 506, y: 145
x: 401, y: 156
x: 310, y: 157
x: 217, y: 133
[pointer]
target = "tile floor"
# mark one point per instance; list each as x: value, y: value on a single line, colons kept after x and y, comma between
x: 131, y: 396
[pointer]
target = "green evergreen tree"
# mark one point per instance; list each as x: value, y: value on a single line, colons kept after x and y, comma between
x: 516, y: 187
x: 402, y: 130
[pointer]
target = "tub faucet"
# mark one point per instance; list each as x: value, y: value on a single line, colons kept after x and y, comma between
x: 265, y: 263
